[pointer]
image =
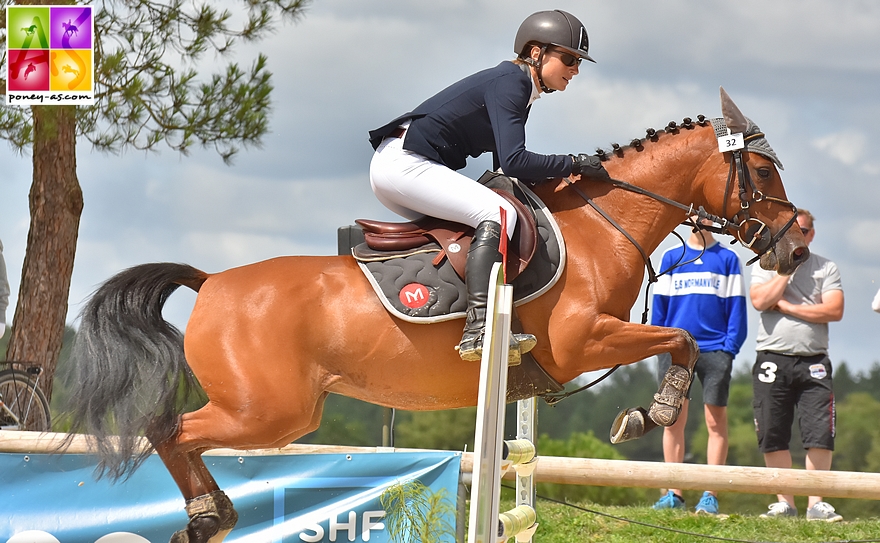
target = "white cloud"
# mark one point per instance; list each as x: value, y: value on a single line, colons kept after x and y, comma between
x: 852, y: 148
x: 848, y: 147
x: 806, y: 71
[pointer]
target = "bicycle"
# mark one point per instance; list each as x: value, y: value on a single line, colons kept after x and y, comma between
x: 23, y: 406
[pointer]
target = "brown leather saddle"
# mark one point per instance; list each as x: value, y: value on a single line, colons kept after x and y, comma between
x: 454, y: 238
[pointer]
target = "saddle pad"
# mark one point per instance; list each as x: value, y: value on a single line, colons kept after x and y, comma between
x: 412, y: 288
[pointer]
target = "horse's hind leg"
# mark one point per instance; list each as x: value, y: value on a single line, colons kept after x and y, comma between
x: 211, y: 513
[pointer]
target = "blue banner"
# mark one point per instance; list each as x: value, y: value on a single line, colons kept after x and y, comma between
x: 284, y: 498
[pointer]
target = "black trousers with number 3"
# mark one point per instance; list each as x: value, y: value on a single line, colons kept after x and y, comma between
x: 781, y: 384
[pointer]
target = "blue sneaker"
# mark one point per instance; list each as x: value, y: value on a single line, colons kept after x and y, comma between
x: 670, y: 501
x: 708, y: 504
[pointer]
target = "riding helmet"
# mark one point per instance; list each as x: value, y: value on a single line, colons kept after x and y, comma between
x: 558, y: 28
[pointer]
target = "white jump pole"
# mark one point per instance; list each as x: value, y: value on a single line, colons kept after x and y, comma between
x: 486, y: 525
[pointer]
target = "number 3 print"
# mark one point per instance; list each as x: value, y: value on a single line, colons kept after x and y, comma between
x: 769, y: 373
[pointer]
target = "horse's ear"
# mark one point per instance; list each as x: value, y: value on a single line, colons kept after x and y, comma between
x: 733, y: 117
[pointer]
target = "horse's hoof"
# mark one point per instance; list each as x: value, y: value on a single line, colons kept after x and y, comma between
x: 631, y: 424
x: 212, y: 517
x: 202, y: 529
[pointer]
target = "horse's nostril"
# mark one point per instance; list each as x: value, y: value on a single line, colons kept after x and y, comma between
x: 800, y: 254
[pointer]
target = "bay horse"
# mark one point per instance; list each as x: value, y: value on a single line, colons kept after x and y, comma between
x: 268, y: 342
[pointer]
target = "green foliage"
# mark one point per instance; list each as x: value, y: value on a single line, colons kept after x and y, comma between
x: 858, y: 438
x: 347, y: 421
x: 452, y: 429
x: 594, y: 410
x: 414, y: 513
x: 148, y: 85
x: 586, y: 445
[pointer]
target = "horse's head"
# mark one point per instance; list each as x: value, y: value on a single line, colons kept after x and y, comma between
x: 754, y: 200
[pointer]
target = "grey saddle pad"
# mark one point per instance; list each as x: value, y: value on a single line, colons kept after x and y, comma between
x: 412, y: 288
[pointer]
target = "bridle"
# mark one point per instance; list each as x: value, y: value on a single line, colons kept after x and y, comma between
x: 750, y: 231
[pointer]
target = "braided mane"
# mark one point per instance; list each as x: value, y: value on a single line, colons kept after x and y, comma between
x: 652, y: 135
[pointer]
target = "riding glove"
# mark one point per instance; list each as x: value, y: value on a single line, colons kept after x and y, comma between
x: 588, y: 166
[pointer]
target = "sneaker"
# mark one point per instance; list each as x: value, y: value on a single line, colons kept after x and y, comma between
x: 780, y: 509
x: 670, y: 501
x: 823, y: 511
x: 708, y: 504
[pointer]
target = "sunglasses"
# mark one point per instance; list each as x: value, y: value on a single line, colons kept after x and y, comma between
x: 567, y: 58
x: 805, y: 231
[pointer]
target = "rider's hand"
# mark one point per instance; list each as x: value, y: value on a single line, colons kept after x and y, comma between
x: 588, y: 166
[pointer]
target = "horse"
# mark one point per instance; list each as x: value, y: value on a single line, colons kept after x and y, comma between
x: 268, y: 342
x: 69, y: 28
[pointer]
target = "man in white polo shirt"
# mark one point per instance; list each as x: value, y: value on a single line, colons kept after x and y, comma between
x: 792, y: 368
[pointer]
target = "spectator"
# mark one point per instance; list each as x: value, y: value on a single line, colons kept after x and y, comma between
x: 875, y: 305
x: 706, y: 297
x: 4, y: 292
x: 792, y: 368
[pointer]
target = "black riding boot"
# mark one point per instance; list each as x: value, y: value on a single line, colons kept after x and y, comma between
x: 482, y: 255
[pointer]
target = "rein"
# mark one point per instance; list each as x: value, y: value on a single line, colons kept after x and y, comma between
x: 754, y: 229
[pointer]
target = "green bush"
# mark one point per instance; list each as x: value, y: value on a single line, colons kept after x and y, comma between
x: 587, y: 445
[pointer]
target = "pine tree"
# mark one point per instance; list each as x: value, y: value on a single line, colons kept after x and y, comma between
x: 149, y: 91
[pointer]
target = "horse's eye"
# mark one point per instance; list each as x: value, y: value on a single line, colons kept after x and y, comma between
x: 763, y: 173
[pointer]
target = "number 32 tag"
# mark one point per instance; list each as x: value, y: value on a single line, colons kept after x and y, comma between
x: 731, y: 142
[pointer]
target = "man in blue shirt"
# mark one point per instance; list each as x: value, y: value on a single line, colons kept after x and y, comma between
x: 706, y: 297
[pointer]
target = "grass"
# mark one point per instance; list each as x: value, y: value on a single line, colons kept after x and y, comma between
x: 560, y: 523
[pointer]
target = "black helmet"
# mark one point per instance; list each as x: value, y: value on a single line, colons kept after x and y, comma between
x: 558, y: 28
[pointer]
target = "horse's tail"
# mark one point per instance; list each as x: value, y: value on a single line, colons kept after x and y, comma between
x: 128, y: 375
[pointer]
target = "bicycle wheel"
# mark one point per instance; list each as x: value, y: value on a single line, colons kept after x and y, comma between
x: 23, y: 406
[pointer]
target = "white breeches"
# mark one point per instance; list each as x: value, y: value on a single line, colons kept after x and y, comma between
x: 413, y: 186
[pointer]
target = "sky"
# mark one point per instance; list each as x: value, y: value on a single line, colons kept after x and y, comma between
x: 806, y: 71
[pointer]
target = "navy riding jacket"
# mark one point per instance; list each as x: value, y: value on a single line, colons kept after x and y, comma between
x: 485, y: 112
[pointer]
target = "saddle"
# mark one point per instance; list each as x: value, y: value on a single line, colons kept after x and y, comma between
x: 417, y: 269
x: 454, y: 238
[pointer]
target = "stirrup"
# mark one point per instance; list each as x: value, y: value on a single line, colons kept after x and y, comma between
x: 471, y: 347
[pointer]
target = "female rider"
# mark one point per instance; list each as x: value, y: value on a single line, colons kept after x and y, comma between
x: 413, y: 171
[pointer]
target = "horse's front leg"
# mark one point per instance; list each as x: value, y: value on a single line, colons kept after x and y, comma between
x: 625, y: 343
x: 635, y: 422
